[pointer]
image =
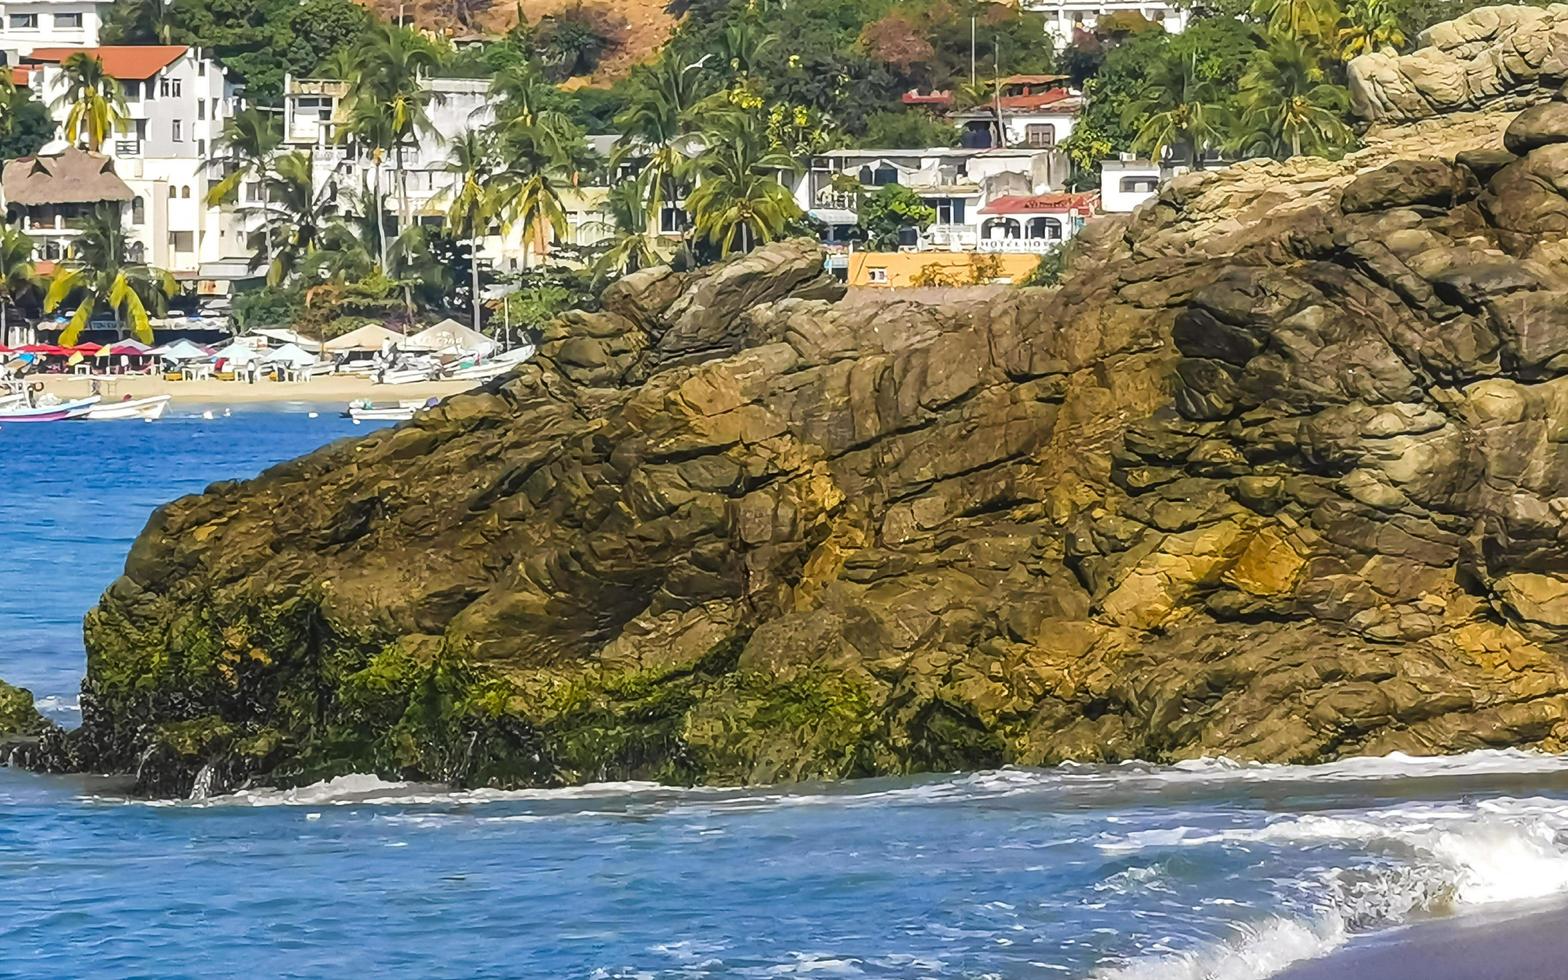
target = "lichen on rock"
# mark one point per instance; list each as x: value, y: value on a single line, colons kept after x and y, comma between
x: 1278, y: 473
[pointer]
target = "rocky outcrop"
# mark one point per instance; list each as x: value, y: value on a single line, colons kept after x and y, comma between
x: 1278, y: 473
x: 1496, y: 58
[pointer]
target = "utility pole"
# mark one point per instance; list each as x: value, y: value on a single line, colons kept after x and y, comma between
x: 971, y: 51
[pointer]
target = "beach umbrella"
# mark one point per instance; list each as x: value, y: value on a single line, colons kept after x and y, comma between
x: 181, y: 350
x: 372, y: 337
x: 291, y: 355
x: 238, y: 354
x: 450, y: 335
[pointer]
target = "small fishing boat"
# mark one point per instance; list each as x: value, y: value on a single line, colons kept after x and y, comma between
x: 146, y: 409
x: 402, y: 411
x: 58, y: 412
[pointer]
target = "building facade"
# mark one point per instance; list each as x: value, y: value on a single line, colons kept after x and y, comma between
x: 1065, y: 17
x: 176, y: 101
x: 26, y: 25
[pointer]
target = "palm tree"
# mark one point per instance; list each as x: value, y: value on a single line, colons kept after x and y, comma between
x: 1178, y: 109
x: 656, y: 122
x: 95, y: 101
x: 471, y: 202
x: 631, y: 247
x: 294, y: 216
x: 1287, y: 105
x: 367, y: 125
x: 18, y: 275
x: 390, y: 97
x: 1314, y: 19
x: 1369, y: 25
x: 99, y: 275
x: 244, y: 150
x: 539, y: 154
x: 739, y: 202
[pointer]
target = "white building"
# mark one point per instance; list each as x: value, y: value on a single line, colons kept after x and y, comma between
x: 1034, y: 223
x: 1127, y: 183
x: 26, y: 25
x: 1063, y: 17
x: 176, y: 101
x: 956, y: 182
x: 312, y: 122
x: 1034, y: 111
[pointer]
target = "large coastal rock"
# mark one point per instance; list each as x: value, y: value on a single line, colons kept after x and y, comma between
x: 1504, y: 57
x: 1280, y: 473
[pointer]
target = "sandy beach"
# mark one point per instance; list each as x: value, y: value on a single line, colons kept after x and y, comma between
x: 330, y: 389
x: 1476, y: 946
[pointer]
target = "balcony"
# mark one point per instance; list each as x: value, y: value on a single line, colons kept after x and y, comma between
x: 127, y: 147
x: 955, y: 238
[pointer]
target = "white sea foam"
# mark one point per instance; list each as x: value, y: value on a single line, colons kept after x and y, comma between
x: 1437, y: 857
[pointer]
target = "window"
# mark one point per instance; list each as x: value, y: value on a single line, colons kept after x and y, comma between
x: 673, y: 221
x: 138, y: 210
x: 1138, y: 185
x: 136, y: 252
x: 52, y: 250
x: 1048, y: 228
x: 949, y: 210
x: 185, y: 192
x: 201, y: 148
x: 178, y: 130
x: 183, y: 241
x: 1040, y: 134
x: 884, y: 175
x: 201, y: 110
x: 878, y: 274
x: 201, y: 67
x: 169, y: 87
x: 68, y: 22
x: 24, y: 22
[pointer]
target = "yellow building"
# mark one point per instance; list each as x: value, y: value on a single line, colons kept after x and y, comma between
x: 906, y: 269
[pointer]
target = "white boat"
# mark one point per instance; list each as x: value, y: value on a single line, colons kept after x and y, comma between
x: 57, y: 412
x: 402, y: 411
x: 480, y: 372
x: 404, y: 376
x: 146, y: 409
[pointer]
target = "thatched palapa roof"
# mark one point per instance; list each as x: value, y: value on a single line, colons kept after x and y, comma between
x: 71, y: 177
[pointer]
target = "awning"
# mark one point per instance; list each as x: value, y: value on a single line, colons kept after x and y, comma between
x: 834, y: 216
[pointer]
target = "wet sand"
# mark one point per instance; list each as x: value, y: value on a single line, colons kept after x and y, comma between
x: 1474, y: 946
x: 329, y: 389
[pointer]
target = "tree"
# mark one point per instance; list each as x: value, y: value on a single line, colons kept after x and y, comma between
x: 472, y: 203
x: 538, y: 149
x: 738, y: 202
x: 657, y: 118
x: 1287, y: 106
x: 897, y: 42
x: 244, y: 150
x: 889, y: 211
x: 1370, y: 25
x: 904, y: 128
x: 294, y: 216
x: 1178, y: 109
x: 99, y: 276
x: 631, y: 246
x: 1314, y: 19
x: 390, y: 101
x: 25, y: 123
x: 575, y: 40
x: 94, y: 99
x: 18, y: 275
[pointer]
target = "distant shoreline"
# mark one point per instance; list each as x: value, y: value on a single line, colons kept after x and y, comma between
x: 342, y: 388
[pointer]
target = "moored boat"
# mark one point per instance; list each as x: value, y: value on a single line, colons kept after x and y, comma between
x: 57, y: 412
x: 147, y: 409
x: 400, y: 411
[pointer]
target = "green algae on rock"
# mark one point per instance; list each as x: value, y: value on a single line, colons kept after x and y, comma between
x: 18, y: 714
x: 1278, y: 473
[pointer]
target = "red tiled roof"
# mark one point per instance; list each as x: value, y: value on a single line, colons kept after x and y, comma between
x: 20, y: 76
x: 132, y: 62
x: 1084, y: 203
x: 926, y: 98
x: 1033, y: 79
x: 1040, y: 101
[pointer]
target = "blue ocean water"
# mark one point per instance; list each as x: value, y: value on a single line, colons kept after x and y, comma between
x: 1208, y: 869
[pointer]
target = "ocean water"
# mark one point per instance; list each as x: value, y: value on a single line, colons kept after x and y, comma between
x: 1133, y: 872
